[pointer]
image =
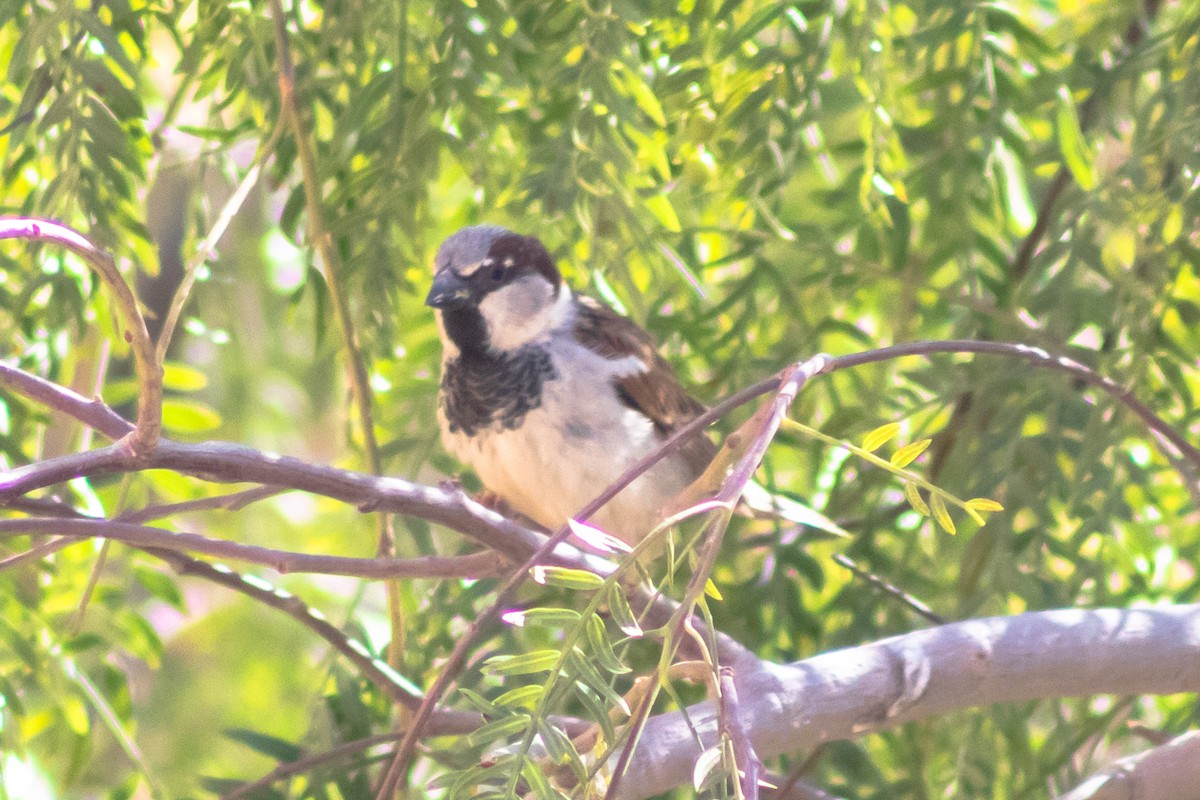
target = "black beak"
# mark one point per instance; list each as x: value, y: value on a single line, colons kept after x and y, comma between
x: 448, y: 291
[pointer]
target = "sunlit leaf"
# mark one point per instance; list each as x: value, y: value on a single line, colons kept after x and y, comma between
x: 880, y: 436
x: 189, y: 416
x: 938, y: 506
x: 605, y: 657
x: 1015, y: 190
x: 913, y: 495
x: 567, y: 578
x: 907, y: 454
x: 1071, y: 143
x: 499, y: 729
x: 521, y: 696
x: 523, y: 664
x: 621, y: 612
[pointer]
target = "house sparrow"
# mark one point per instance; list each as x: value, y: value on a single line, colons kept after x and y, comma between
x: 548, y: 394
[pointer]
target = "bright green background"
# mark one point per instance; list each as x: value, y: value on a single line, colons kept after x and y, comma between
x: 755, y: 182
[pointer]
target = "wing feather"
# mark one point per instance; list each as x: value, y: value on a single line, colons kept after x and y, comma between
x: 654, y: 391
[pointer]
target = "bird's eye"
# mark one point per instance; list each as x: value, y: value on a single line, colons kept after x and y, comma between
x: 497, y: 273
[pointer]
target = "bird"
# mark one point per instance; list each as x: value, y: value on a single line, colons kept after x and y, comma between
x: 550, y: 396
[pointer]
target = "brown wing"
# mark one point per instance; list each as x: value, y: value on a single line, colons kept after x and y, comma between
x: 656, y: 392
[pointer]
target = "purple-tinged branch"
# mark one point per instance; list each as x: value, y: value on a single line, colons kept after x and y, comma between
x: 474, y: 566
x: 144, y: 437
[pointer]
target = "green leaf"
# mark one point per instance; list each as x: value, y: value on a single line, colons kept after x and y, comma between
x: 913, y: 495
x: 159, y: 585
x: 622, y: 614
x: 480, y: 703
x: 978, y: 504
x: 663, y: 211
x: 1013, y: 188
x: 521, y: 696
x: 602, y: 650
x: 1071, y: 143
x: 641, y: 93
x: 596, y: 711
x: 880, y: 436
x: 182, y: 377
x: 907, y: 454
x: 499, y: 729
x: 75, y: 712
x: 544, y: 617
x: 561, y: 748
x: 189, y: 416
x: 566, y: 578
x: 271, y: 746
x: 537, y: 780
x: 523, y: 664
x: 941, y: 514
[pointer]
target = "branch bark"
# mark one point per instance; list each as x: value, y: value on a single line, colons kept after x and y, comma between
x: 849, y: 693
x: 1168, y: 772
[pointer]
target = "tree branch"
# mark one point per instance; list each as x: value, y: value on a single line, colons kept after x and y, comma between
x: 1168, y: 772
x: 848, y: 693
x: 144, y: 437
x: 476, y: 565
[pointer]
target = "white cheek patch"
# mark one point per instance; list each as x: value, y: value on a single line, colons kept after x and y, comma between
x: 523, y: 311
x: 470, y: 269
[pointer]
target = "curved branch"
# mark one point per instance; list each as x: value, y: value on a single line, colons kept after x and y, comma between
x: 1167, y: 772
x: 229, y: 463
x: 144, y: 437
x: 848, y: 693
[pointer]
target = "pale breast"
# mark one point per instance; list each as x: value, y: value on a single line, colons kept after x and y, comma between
x: 569, y: 446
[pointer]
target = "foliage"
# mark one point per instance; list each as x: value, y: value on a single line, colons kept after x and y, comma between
x: 754, y: 181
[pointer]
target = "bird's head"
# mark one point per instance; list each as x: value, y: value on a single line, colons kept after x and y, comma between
x: 495, y: 290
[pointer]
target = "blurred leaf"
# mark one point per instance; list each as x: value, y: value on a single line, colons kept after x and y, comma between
x: 189, y: 416
x: 566, y: 578
x: 270, y: 746
x: 1071, y: 144
x: 1014, y: 190
x: 913, y: 494
x: 523, y: 664
x: 938, y: 505
x: 499, y: 729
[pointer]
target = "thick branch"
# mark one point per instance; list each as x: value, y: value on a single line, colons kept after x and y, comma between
x: 1168, y: 772
x: 848, y: 693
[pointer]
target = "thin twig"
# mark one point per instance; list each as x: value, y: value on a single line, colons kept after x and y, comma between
x: 307, y: 763
x: 207, y: 247
x: 477, y: 565
x: 234, y: 501
x: 730, y: 716
x: 891, y: 590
